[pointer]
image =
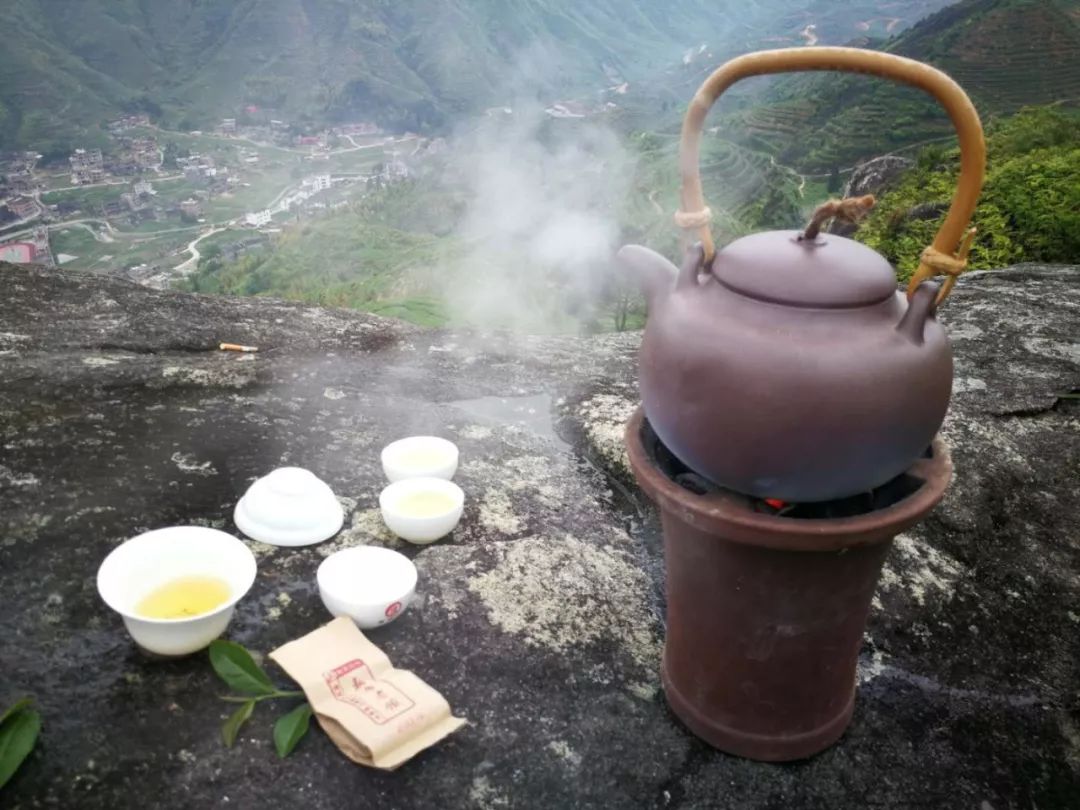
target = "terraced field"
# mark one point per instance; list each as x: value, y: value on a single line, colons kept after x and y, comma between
x: 771, y: 126
x: 745, y: 188
x: 735, y: 178
x: 91, y: 255
x: 887, y: 119
x: 1006, y: 70
x: 1006, y: 53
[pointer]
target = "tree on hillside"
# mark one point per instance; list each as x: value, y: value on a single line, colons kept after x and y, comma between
x: 170, y: 152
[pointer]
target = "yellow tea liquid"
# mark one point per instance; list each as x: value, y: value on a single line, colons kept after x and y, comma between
x: 184, y: 597
x: 422, y: 458
x: 426, y: 504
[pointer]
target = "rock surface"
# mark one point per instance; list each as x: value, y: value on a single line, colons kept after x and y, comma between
x: 541, y: 618
x: 872, y: 177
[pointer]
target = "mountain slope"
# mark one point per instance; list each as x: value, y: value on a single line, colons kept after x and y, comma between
x: 403, y: 63
x: 1005, y: 53
x: 1029, y: 209
x: 409, y: 61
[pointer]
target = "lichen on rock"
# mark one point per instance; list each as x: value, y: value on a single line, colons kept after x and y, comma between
x: 541, y: 617
x: 559, y: 592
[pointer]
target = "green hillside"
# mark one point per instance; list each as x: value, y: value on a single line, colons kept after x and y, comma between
x: 1005, y: 53
x: 773, y: 150
x: 1029, y: 209
x: 418, y: 64
x: 411, y: 63
x: 359, y: 257
x: 409, y: 250
x: 402, y: 251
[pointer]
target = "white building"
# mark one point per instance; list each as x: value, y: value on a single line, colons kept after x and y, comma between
x: 565, y: 110
x: 143, y: 187
x: 258, y: 219
x: 86, y: 167
x: 394, y: 169
x: 295, y: 198
x: 316, y: 183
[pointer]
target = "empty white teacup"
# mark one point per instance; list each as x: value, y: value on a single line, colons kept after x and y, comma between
x: 140, y: 566
x: 369, y: 584
x: 421, y: 510
x: 420, y: 457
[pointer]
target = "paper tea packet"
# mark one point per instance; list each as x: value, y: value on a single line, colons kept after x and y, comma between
x: 377, y: 715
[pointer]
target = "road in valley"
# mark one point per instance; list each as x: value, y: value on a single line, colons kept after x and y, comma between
x: 189, y: 265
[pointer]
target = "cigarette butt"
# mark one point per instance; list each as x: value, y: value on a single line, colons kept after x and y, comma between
x: 236, y: 347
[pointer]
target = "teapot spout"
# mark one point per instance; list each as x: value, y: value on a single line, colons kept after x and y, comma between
x: 920, y: 309
x: 654, y: 273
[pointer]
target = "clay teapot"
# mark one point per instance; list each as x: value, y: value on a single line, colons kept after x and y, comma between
x: 788, y: 364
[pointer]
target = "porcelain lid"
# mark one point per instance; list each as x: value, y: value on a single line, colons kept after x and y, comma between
x: 289, y: 507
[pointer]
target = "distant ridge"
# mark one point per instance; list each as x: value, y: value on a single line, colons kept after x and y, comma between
x: 1005, y: 53
x: 406, y: 63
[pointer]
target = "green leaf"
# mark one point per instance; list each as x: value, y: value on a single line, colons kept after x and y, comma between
x: 290, y: 729
x: 18, y: 731
x: 18, y: 706
x: 231, y: 727
x: 238, y: 669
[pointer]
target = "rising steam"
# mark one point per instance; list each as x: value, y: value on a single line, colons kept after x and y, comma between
x: 540, y: 227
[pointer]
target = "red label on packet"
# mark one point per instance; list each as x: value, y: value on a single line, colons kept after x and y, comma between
x: 379, y: 701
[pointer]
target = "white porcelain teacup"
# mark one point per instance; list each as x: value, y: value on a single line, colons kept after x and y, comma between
x: 141, y: 565
x: 421, y: 510
x: 420, y: 457
x: 369, y: 584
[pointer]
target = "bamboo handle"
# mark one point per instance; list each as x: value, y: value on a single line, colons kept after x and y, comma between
x: 944, y: 256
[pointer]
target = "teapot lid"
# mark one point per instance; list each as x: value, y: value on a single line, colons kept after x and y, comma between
x: 830, y: 272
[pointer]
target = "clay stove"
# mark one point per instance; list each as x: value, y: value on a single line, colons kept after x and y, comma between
x: 766, y: 610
